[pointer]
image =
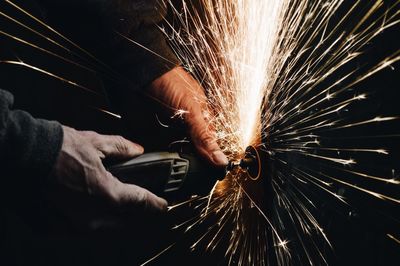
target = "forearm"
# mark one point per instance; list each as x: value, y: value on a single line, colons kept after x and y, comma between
x: 37, y: 154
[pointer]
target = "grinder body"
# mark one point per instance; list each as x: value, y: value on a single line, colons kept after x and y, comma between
x: 171, y: 175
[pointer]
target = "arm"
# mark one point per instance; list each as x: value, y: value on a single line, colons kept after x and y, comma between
x: 162, y: 76
x: 34, y: 148
x: 162, y: 79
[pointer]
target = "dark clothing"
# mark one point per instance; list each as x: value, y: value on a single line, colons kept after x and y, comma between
x: 33, y: 144
x: 97, y: 25
x: 27, y: 145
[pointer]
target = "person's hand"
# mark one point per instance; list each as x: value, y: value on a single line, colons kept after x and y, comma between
x: 179, y: 91
x: 79, y: 166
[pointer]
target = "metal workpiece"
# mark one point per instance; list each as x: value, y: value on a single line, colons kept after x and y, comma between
x: 250, y: 163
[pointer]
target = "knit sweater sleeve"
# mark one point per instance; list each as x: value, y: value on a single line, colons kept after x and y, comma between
x: 27, y: 145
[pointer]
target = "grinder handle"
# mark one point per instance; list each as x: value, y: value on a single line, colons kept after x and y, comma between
x: 170, y: 175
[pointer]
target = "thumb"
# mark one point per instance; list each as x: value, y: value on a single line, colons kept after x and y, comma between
x: 135, y: 196
x: 205, y: 141
x: 117, y: 146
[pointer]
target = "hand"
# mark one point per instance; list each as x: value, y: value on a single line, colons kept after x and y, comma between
x: 79, y: 166
x: 178, y: 90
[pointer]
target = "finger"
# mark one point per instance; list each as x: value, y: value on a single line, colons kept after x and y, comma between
x: 203, y: 136
x: 205, y: 141
x: 117, y: 146
x: 131, y: 195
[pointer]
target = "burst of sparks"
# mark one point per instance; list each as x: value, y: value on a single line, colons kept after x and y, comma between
x: 273, y: 73
x: 235, y: 67
x: 279, y: 75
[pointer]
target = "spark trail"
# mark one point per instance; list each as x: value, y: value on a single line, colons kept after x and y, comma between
x: 285, y: 76
x: 72, y: 53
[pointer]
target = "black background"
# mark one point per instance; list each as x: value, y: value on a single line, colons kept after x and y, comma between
x: 38, y: 233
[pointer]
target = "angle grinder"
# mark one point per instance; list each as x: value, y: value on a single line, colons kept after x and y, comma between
x: 170, y: 175
x: 178, y: 175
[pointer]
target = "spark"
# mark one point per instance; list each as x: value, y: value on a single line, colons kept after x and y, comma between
x: 281, y: 75
x: 158, y: 255
x: 394, y: 238
x: 161, y: 123
x: 97, y: 62
x: 181, y: 203
x: 180, y: 113
x: 48, y: 73
x: 109, y: 113
x: 143, y: 47
x: 94, y: 67
x: 370, y: 192
x: 283, y: 244
x: 385, y: 180
x: 373, y: 120
x: 43, y: 50
x: 70, y: 82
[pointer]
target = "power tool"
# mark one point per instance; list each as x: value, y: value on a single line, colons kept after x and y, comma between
x: 171, y: 175
x: 178, y: 175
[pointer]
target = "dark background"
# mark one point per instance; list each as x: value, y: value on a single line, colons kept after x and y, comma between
x: 34, y: 231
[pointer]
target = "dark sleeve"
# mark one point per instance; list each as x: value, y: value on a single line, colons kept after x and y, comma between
x: 137, y: 20
x: 27, y: 145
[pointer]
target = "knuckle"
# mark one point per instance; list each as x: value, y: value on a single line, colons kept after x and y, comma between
x: 91, y: 180
x: 94, y: 138
x: 206, y: 139
x: 120, y: 144
x: 106, y: 187
x: 114, y: 196
x: 142, y: 198
x: 89, y: 134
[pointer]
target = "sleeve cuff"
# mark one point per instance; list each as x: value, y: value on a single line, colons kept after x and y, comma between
x: 33, y: 144
x: 45, y: 148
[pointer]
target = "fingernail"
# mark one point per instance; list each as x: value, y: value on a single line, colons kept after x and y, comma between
x: 159, y: 204
x: 139, y: 148
x: 219, y: 158
x: 163, y: 205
